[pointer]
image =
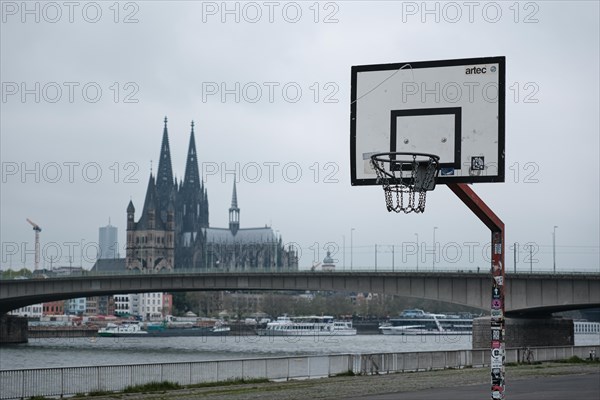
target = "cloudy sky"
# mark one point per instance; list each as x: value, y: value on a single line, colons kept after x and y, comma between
x: 86, y: 86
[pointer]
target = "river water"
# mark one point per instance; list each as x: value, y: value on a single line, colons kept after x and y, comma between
x: 67, y: 352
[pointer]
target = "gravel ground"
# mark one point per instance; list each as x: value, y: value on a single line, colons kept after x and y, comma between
x: 356, y: 386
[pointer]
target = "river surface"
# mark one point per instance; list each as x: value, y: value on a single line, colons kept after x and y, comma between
x: 67, y: 352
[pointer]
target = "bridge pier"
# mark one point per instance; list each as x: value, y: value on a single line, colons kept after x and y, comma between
x: 527, y: 332
x: 12, y: 329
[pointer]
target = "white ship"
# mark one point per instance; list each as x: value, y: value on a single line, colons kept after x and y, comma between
x: 419, y: 322
x: 122, y: 330
x: 307, y: 326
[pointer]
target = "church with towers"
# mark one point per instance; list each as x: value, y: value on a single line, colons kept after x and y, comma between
x: 173, y: 230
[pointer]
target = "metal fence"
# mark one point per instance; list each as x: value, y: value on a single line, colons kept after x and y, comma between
x: 24, y: 383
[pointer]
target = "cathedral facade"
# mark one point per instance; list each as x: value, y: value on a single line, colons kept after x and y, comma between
x: 237, y: 248
x: 173, y: 230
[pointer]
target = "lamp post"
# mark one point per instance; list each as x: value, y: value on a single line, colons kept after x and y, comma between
x: 417, y: 235
x: 375, y: 257
x: 554, y: 248
x: 277, y: 240
x: 515, y: 249
x: 530, y: 258
x: 344, y: 256
x: 434, y: 247
x: 351, y: 248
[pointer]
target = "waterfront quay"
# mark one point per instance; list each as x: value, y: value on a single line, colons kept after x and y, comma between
x: 114, y: 378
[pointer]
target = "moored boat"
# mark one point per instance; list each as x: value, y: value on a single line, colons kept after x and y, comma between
x: 122, y: 330
x: 307, y: 326
x: 419, y: 322
x: 137, y: 329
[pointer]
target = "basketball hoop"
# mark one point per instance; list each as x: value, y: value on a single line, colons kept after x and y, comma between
x: 406, y: 178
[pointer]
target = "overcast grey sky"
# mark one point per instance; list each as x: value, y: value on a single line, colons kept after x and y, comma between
x: 86, y: 85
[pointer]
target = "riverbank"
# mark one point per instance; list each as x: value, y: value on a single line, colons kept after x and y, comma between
x: 121, y: 377
x: 364, y: 386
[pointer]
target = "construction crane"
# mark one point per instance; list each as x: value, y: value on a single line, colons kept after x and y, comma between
x: 37, y: 230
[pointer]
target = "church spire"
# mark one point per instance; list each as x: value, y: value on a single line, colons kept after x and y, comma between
x: 150, y: 218
x: 192, y: 177
x: 150, y: 200
x: 164, y: 175
x: 234, y: 196
x: 234, y: 212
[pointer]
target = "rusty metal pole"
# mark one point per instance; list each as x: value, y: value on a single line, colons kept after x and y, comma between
x: 491, y: 220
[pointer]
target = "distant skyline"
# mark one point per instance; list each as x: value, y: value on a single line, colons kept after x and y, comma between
x: 84, y: 95
x: 108, y: 241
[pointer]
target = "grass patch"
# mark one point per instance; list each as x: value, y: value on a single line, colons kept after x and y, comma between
x: 228, y: 383
x: 38, y: 398
x: 578, y: 360
x: 97, y: 393
x: 347, y: 373
x: 153, y: 387
x: 523, y: 364
x: 165, y: 386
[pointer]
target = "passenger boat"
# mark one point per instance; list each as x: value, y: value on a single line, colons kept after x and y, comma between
x: 122, y: 330
x: 137, y: 329
x: 307, y: 326
x: 419, y: 322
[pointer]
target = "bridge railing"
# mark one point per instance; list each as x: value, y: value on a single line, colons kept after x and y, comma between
x: 24, y: 383
x: 208, y: 271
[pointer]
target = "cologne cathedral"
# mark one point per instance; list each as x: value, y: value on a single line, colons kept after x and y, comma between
x: 173, y: 229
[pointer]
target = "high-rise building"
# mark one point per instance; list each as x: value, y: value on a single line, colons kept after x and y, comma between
x: 108, y: 242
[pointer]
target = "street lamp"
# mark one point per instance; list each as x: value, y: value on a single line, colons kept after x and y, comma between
x: 417, y: 235
x: 530, y: 258
x: 351, y: 248
x: 434, y: 247
x: 344, y: 256
x: 554, y: 248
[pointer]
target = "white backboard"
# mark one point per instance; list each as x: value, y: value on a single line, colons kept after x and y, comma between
x: 451, y: 108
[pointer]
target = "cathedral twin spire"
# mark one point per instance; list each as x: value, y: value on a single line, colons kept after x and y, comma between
x: 164, y: 176
x: 163, y: 193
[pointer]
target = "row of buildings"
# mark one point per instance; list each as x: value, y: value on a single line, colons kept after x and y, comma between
x: 147, y: 306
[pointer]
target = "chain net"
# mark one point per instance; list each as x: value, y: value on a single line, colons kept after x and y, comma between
x: 406, y: 178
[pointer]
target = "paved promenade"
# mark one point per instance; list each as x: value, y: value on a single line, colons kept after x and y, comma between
x: 548, y: 388
x: 546, y: 381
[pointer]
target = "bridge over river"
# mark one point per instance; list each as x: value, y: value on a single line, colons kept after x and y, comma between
x: 526, y: 293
